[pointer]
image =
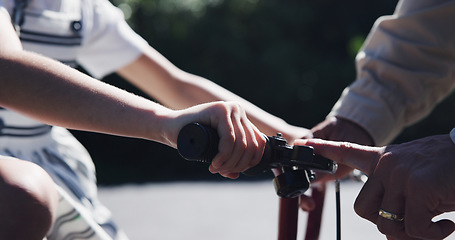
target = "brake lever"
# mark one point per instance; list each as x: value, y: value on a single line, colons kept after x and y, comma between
x: 298, y: 156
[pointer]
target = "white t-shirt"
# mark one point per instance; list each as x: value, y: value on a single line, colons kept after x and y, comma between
x: 89, y: 33
x: 92, y: 33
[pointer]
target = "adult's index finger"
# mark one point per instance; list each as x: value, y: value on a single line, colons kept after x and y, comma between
x: 363, y: 158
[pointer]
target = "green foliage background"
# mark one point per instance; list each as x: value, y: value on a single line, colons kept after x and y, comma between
x: 292, y: 58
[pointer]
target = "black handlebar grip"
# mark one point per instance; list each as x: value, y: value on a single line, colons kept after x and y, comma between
x: 198, y: 142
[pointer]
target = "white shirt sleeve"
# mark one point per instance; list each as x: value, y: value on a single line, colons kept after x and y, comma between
x: 109, y: 43
x: 405, y: 68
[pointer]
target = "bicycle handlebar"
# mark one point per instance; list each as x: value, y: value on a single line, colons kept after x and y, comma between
x: 198, y: 142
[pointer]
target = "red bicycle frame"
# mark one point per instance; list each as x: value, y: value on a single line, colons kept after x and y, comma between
x: 288, y: 216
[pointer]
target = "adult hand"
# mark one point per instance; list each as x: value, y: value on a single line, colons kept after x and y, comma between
x: 413, y: 180
x: 241, y: 143
x: 339, y: 129
x: 336, y: 129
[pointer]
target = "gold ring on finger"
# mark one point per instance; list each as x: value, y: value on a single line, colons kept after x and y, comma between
x: 390, y: 216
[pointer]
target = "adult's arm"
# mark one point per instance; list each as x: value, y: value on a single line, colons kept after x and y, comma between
x: 404, y: 69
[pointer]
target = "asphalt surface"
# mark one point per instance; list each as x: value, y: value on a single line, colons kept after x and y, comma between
x: 223, y: 211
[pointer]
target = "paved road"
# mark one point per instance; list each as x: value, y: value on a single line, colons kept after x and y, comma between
x: 222, y: 211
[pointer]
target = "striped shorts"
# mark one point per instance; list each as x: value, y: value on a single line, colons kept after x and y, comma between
x: 80, y: 215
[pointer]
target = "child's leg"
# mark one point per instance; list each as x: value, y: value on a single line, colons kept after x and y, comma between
x: 28, y: 200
